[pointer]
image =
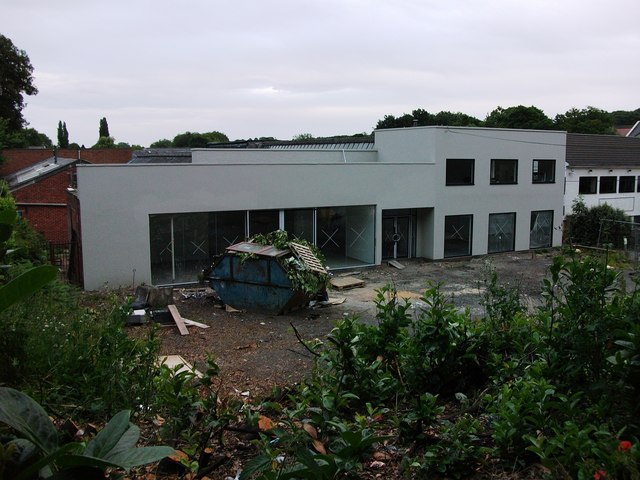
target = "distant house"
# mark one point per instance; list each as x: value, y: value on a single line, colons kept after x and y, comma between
x: 431, y: 192
x: 603, y: 169
x: 39, y: 179
x: 40, y: 192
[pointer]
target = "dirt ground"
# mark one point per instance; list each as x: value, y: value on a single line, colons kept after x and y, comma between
x: 256, y: 351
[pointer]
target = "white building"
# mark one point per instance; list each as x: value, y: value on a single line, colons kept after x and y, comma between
x: 603, y: 169
x: 432, y: 192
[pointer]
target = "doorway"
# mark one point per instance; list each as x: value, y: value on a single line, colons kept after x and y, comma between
x: 397, y: 228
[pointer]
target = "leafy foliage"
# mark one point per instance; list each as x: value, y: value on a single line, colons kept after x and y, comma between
x: 16, y: 80
x: 598, y: 225
x: 37, y: 451
x: 519, y: 117
x: 302, y: 278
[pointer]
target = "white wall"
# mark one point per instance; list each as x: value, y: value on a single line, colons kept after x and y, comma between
x: 408, y: 171
x: 628, y: 202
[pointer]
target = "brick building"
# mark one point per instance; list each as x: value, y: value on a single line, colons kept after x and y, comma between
x: 40, y: 178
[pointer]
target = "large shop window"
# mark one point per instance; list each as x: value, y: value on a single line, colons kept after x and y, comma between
x: 181, y: 245
x: 541, y: 231
x: 457, y: 235
x: 502, y: 229
x: 543, y: 171
x: 504, y: 172
x: 299, y: 223
x: 346, y: 235
x: 460, y: 171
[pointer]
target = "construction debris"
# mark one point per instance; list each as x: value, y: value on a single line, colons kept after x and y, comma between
x: 344, y: 283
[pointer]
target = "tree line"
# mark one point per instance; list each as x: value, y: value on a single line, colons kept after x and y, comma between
x: 16, y: 82
x: 589, y: 120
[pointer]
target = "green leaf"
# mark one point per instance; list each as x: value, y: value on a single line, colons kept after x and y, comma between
x: 134, y: 457
x: 107, y: 438
x: 7, y: 221
x: 256, y: 465
x: 26, y: 284
x: 29, y: 419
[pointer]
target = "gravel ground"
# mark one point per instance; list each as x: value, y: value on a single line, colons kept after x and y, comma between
x: 257, y: 351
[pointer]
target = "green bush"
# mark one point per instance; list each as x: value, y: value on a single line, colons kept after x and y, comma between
x: 598, y: 225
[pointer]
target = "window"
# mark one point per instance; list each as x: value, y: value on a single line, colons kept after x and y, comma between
x: 346, y: 235
x: 502, y: 228
x: 608, y: 184
x: 544, y: 171
x: 457, y: 235
x: 460, y: 171
x: 504, y: 172
x: 587, y: 185
x: 541, y: 230
x: 262, y: 222
x: 627, y: 184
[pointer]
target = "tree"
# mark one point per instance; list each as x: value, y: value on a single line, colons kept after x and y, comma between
x: 519, y: 117
x: 63, y: 135
x: 598, y: 225
x: 197, y: 140
x: 27, y: 137
x: 588, y: 120
x: 163, y: 143
x: 104, y: 128
x: 301, y: 137
x: 105, y: 142
x: 626, y: 117
x: 16, y: 80
x: 421, y: 117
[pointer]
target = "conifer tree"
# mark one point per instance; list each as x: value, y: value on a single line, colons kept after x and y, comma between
x: 104, y: 128
x: 63, y: 135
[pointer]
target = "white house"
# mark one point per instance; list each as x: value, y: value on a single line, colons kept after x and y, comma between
x: 432, y: 192
x: 603, y: 169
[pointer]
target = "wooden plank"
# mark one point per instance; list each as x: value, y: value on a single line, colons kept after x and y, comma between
x: 305, y: 254
x: 194, y: 324
x: 344, y: 283
x: 178, y: 319
x: 396, y: 264
x: 176, y: 361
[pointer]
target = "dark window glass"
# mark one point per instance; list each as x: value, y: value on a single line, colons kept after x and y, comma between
x: 587, y: 185
x: 608, y: 184
x: 460, y: 171
x: 457, y: 235
x: 299, y: 223
x: 502, y: 229
x: 262, y: 222
x: 543, y: 171
x: 504, y: 172
x: 627, y: 184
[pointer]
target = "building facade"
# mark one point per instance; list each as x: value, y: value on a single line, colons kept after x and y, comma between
x: 603, y: 169
x: 432, y: 192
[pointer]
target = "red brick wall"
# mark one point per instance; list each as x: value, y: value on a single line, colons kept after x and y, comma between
x: 50, y: 220
x: 19, y: 158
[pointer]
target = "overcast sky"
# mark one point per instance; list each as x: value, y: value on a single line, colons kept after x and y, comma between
x: 252, y: 68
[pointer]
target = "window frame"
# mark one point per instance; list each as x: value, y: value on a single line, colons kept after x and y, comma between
x: 535, y: 170
x: 512, y: 247
x: 630, y: 184
x: 607, y: 185
x: 469, y: 250
x: 531, y: 227
x: 449, y: 174
x: 504, y: 161
x: 593, y: 184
